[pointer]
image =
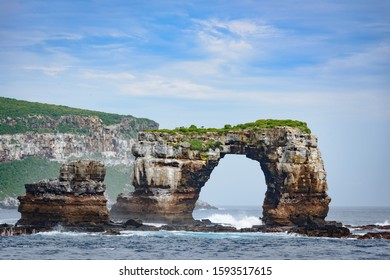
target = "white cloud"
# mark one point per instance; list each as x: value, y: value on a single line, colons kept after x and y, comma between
x: 240, y: 28
x: 19, y: 39
x: 65, y: 36
x: 184, y: 88
x: 160, y: 86
x: 226, y: 47
x: 233, y: 39
x: 372, y: 58
x: 110, y: 76
x: 47, y: 70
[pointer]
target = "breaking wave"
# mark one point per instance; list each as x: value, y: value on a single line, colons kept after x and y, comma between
x: 229, y: 220
x: 386, y: 223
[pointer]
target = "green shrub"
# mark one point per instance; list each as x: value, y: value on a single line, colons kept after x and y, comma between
x: 257, y: 125
x: 227, y: 126
x: 196, y: 145
x: 212, y: 144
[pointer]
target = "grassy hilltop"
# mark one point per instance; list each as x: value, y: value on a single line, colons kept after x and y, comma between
x: 18, y: 116
x: 23, y: 112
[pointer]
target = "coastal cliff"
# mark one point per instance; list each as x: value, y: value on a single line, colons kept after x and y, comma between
x: 171, y: 167
x: 58, y: 132
x: 46, y: 135
x: 110, y: 142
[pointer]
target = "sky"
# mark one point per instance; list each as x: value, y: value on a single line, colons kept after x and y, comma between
x: 212, y: 63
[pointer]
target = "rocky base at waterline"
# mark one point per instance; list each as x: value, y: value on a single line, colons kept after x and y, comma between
x: 326, y: 229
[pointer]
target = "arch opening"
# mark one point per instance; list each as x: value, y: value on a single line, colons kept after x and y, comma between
x: 234, y: 194
x: 240, y: 181
x: 170, y: 171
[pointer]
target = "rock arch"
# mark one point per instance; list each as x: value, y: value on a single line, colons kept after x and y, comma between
x: 171, y: 168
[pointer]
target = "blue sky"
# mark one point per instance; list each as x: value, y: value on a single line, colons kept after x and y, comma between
x: 216, y: 62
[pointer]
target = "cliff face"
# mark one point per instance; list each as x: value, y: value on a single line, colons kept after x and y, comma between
x: 89, y: 137
x: 36, y: 137
x: 171, y: 169
x: 77, y: 196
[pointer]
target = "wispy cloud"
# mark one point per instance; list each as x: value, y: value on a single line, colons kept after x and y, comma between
x: 372, y: 58
x: 122, y: 76
x: 242, y: 28
x: 47, y: 70
x: 160, y: 86
x: 168, y: 87
x: 232, y: 39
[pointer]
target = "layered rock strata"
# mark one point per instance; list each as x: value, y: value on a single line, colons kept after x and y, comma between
x: 171, y: 168
x: 76, y: 197
x: 113, y: 142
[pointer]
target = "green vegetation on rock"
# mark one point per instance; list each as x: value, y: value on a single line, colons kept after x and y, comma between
x: 23, y: 115
x: 257, y: 125
x: 201, y: 146
x: 196, y: 145
x: 18, y: 108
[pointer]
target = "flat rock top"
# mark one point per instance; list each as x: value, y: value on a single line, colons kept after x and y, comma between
x: 76, y: 177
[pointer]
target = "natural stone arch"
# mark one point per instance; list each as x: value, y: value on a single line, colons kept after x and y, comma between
x: 171, y: 168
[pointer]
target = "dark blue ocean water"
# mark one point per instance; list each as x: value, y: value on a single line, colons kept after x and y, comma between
x: 189, y: 245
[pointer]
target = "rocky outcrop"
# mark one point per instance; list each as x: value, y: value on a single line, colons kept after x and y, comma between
x: 375, y: 235
x: 202, y: 205
x: 76, y: 197
x: 320, y: 228
x: 171, y: 168
x: 44, y: 138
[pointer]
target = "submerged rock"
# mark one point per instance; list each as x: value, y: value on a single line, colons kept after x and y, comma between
x: 376, y: 235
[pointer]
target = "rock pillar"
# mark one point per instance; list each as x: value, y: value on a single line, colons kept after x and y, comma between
x: 76, y: 197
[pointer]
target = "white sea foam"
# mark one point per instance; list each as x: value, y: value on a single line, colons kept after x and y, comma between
x: 227, y: 219
x: 65, y: 233
x: 141, y: 233
x: 154, y: 224
x: 386, y: 223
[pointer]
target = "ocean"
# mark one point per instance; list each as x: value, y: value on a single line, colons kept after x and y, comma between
x: 180, y: 245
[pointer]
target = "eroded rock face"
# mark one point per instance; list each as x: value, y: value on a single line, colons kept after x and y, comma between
x: 171, y: 169
x: 76, y: 197
x: 113, y: 142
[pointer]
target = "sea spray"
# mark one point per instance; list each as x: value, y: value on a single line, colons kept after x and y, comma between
x: 386, y: 223
x: 242, y: 222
